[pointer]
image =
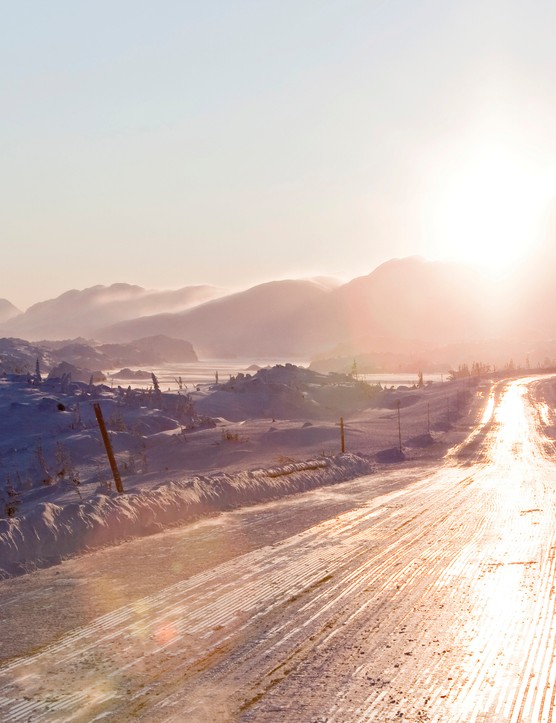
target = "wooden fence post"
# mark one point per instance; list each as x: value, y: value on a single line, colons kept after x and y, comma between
x: 342, y: 434
x: 108, y: 446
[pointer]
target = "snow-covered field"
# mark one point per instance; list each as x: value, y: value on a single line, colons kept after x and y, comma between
x: 190, y: 453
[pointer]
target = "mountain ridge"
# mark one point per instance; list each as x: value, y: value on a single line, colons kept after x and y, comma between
x: 404, y: 302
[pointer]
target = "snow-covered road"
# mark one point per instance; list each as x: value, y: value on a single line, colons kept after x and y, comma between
x: 427, y: 601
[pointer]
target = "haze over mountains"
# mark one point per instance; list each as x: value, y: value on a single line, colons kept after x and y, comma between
x: 405, y: 308
x: 83, y: 313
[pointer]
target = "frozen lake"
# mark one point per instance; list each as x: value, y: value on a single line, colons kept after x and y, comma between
x: 204, y: 372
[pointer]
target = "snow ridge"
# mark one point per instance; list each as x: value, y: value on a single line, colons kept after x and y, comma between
x: 50, y: 532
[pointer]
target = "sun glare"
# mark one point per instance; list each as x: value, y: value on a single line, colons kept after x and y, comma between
x: 490, y: 212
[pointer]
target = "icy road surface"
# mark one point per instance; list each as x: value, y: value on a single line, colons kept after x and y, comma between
x: 432, y: 601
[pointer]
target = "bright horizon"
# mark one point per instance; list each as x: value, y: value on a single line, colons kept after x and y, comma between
x: 234, y: 143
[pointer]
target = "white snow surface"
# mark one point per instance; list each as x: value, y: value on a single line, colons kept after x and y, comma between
x: 273, y: 434
x: 50, y: 531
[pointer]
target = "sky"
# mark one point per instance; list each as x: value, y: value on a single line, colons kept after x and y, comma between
x: 233, y: 142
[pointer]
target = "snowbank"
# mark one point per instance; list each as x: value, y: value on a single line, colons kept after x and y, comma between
x: 49, y: 532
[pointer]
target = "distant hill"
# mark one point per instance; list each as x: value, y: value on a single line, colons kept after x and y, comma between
x: 8, y: 310
x: 153, y: 350
x: 415, y: 299
x: 81, y: 313
x: 404, y: 299
x: 531, y: 294
x: 20, y: 356
x: 257, y: 322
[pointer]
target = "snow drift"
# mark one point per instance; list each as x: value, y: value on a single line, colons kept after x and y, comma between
x: 49, y: 532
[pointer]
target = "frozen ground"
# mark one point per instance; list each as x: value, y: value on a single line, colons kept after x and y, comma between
x: 186, y: 456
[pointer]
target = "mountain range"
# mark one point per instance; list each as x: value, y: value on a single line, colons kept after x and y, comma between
x: 82, y: 313
x: 408, y: 307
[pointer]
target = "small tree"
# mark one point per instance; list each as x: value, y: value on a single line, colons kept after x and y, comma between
x: 38, y: 377
x: 157, y: 394
x: 43, y: 467
x: 12, y: 499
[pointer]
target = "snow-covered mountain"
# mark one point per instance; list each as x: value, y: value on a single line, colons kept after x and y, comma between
x: 81, y: 312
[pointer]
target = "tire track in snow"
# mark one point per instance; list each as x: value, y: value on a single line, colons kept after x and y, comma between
x: 513, y: 679
x: 230, y: 597
x: 202, y: 592
x: 483, y: 684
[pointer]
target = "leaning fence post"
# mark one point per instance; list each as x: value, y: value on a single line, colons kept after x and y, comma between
x: 108, y: 446
x: 342, y: 434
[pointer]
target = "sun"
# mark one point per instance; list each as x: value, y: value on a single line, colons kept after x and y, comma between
x: 489, y: 209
